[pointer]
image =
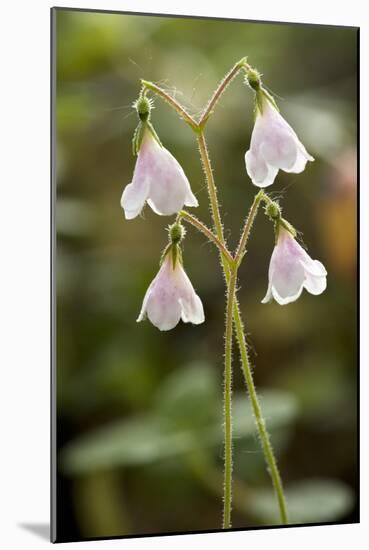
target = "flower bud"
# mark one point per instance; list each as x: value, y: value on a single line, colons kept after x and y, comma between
x: 176, y: 233
x: 253, y: 79
x: 273, y: 210
x: 143, y: 106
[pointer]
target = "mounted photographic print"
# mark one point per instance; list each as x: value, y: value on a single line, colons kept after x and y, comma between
x: 204, y: 236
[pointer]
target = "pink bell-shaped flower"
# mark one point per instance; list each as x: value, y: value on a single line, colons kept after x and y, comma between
x: 158, y: 179
x: 291, y: 269
x: 274, y: 146
x: 171, y: 297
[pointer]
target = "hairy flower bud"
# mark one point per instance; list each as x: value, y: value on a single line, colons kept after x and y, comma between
x: 143, y: 106
x: 253, y: 79
x: 273, y: 210
x: 176, y: 233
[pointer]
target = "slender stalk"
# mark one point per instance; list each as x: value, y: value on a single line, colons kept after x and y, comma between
x: 238, y: 324
x: 206, y: 231
x: 220, y: 90
x: 239, y: 328
x: 241, y: 249
x: 231, y: 278
x: 228, y: 463
x: 260, y: 422
x: 212, y: 190
x: 172, y: 102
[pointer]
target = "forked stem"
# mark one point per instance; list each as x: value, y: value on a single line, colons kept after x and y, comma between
x: 230, y: 273
x: 239, y: 328
x: 241, y: 249
x: 183, y: 214
x: 172, y: 102
x: 221, y: 89
x: 212, y: 190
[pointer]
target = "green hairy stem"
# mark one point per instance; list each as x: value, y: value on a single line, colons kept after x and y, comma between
x: 230, y: 265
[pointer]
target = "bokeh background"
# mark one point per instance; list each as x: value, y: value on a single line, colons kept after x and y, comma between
x: 139, y: 412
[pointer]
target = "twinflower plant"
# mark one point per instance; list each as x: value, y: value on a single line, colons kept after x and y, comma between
x: 161, y: 182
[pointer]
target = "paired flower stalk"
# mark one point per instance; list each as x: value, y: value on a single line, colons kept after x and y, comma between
x: 160, y: 181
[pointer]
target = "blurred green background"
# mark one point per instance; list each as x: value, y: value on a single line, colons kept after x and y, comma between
x: 140, y: 411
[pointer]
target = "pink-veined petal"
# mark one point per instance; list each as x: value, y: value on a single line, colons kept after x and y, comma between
x: 268, y: 296
x: 260, y: 173
x: 163, y: 310
x: 315, y: 285
x: 280, y: 152
x: 158, y: 179
x: 192, y: 308
x: 274, y: 145
x: 291, y: 269
x: 171, y: 296
x: 283, y: 301
x: 169, y: 185
x: 134, y: 197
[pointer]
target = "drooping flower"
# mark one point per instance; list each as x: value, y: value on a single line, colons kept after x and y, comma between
x: 291, y: 269
x: 159, y: 180
x: 274, y: 146
x: 171, y: 297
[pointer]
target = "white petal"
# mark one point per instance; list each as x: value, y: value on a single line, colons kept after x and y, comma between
x: 315, y: 275
x: 260, y: 173
x: 164, y: 311
x: 304, y: 152
x: 315, y: 285
x: 314, y: 267
x: 163, y: 300
x: 301, y: 160
x: 279, y: 151
x: 131, y: 214
x: 166, y: 200
x: 289, y: 281
x: 169, y: 188
x: 158, y: 179
x: 268, y: 296
x: 136, y: 193
x: 291, y: 269
x: 142, y: 315
x: 287, y: 299
x: 166, y: 204
x: 286, y: 272
x: 192, y: 310
x: 162, y: 306
x: 255, y: 167
x: 171, y: 296
x: 274, y: 145
x: 134, y: 197
x: 191, y: 200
